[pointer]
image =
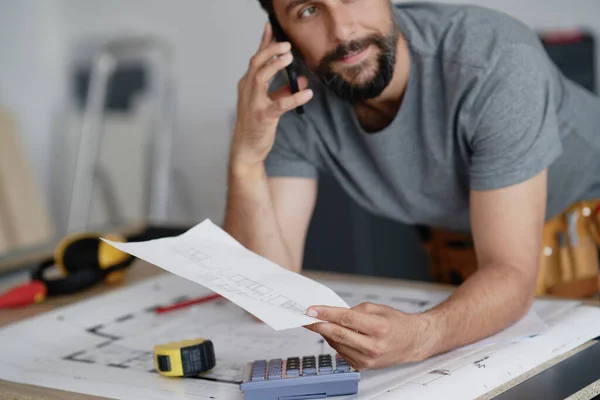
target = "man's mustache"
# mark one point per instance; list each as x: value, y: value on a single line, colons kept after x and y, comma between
x: 353, y: 46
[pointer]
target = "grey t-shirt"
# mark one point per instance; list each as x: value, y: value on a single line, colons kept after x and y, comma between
x: 484, y: 108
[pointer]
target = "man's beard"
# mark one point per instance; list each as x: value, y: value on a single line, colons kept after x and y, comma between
x: 359, y: 92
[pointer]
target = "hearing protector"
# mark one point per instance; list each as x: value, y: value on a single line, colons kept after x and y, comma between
x: 83, y: 260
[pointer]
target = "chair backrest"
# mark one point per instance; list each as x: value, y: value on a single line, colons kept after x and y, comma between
x: 24, y: 217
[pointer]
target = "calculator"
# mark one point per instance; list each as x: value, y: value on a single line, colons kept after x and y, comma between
x: 312, y: 377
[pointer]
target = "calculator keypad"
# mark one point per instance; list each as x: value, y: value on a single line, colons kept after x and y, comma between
x: 308, y: 377
x: 259, y: 369
x: 309, y: 365
x: 274, y: 369
x: 342, y: 365
x: 294, y: 367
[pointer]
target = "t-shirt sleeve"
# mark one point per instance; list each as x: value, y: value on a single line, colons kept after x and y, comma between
x: 514, y: 132
x: 293, y: 153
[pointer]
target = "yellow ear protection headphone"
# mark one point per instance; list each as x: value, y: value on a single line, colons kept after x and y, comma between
x: 83, y: 260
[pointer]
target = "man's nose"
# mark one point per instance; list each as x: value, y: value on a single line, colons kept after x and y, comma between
x: 342, y: 25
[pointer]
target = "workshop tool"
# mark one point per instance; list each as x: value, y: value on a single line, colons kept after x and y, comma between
x: 82, y: 260
x: 187, y: 358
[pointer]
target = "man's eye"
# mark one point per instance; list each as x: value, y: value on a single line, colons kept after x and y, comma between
x: 307, y: 12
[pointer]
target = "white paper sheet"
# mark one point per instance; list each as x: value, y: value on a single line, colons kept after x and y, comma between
x: 103, y: 346
x: 209, y: 256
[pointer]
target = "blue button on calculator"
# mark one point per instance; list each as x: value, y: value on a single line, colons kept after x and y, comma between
x: 311, y: 377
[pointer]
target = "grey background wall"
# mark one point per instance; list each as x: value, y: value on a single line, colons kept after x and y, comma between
x: 212, y: 39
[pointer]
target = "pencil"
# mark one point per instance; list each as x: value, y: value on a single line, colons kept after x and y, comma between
x: 187, y: 303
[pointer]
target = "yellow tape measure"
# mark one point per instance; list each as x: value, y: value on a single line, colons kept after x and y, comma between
x: 185, y: 358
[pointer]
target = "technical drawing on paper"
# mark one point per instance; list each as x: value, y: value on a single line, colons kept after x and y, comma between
x: 406, y: 300
x: 231, y: 281
x: 103, y: 346
x: 128, y: 340
x: 478, y: 360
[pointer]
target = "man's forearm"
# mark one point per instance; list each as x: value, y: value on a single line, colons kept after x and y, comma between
x: 491, y: 300
x: 250, y: 215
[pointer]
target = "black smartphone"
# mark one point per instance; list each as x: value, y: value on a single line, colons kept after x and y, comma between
x: 290, y: 69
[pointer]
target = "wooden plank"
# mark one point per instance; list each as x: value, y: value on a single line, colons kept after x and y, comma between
x: 14, y: 391
x: 24, y: 217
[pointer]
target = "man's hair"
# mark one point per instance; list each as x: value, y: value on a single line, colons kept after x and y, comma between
x: 267, y: 5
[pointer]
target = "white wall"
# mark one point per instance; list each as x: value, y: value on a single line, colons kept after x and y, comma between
x: 212, y: 39
x: 32, y: 80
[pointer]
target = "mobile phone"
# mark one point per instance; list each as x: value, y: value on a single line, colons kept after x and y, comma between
x: 290, y: 69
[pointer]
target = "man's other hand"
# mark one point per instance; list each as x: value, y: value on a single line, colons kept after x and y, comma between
x: 373, y: 336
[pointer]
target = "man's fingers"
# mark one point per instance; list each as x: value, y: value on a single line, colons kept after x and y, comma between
x: 267, y: 36
x: 349, y: 318
x: 264, y: 56
x: 369, y: 308
x: 268, y: 71
x: 285, y: 104
x: 285, y: 90
x: 340, y: 335
x: 352, y: 357
x: 357, y: 360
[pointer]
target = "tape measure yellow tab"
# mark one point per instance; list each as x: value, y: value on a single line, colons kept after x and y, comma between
x: 185, y: 358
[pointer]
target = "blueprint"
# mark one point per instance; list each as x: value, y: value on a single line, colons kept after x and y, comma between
x: 103, y: 346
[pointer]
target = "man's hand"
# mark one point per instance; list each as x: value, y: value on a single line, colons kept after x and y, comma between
x: 257, y: 203
x: 258, y: 111
x: 373, y: 336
